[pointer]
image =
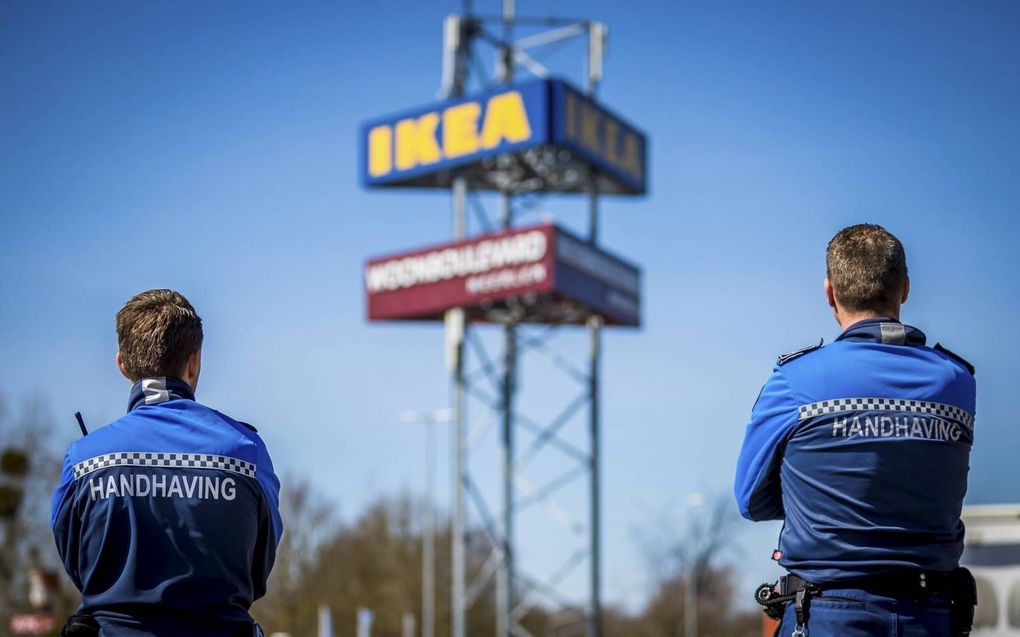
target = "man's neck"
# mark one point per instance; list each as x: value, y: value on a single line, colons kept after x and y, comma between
x: 846, y: 319
x: 152, y: 391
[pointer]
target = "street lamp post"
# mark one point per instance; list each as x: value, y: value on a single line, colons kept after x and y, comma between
x: 694, y: 501
x: 428, y: 560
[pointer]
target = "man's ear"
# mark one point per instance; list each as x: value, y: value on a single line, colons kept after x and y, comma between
x: 120, y: 366
x: 193, y: 368
x: 906, y: 290
x: 830, y: 292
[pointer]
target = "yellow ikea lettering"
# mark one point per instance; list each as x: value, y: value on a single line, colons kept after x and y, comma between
x: 595, y: 130
x: 460, y: 124
x: 415, y: 141
x: 611, y: 133
x: 630, y: 158
x: 590, y: 118
x: 380, y: 150
x: 571, y: 115
x: 505, y: 118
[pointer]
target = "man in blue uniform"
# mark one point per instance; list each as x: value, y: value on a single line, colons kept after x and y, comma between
x: 862, y: 447
x: 167, y: 520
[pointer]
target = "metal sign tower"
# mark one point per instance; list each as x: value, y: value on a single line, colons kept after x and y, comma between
x: 522, y: 138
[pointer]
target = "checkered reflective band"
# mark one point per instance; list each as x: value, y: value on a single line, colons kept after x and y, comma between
x: 165, y: 460
x: 843, y: 405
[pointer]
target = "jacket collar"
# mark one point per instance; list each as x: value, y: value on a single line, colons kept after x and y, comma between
x: 883, y: 330
x: 151, y: 391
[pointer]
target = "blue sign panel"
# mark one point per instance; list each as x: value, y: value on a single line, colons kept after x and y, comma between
x: 454, y: 133
x: 599, y: 137
x: 418, y: 148
x: 597, y: 279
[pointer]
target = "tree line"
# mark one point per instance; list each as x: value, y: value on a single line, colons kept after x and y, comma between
x: 373, y: 561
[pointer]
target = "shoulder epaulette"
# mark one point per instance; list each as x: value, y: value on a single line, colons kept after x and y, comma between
x: 786, y: 358
x: 246, y: 425
x: 953, y: 355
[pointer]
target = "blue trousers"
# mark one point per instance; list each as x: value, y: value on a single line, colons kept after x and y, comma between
x: 856, y: 613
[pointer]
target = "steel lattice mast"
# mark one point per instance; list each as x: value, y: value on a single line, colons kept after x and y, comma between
x: 459, y: 34
x: 566, y: 144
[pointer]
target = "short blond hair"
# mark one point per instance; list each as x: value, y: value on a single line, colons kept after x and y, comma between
x: 157, y: 331
x: 867, y: 267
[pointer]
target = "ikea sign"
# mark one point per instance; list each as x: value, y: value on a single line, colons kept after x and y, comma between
x: 420, y: 148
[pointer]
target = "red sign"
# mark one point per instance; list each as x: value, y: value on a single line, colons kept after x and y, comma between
x: 549, y: 273
x: 32, y: 624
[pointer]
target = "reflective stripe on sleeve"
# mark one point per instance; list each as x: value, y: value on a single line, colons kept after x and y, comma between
x: 842, y: 405
x: 165, y: 460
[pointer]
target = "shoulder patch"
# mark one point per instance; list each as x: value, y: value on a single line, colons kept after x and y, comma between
x: 956, y: 357
x: 786, y: 358
x: 249, y: 426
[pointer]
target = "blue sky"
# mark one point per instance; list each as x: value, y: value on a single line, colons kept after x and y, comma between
x: 211, y: 148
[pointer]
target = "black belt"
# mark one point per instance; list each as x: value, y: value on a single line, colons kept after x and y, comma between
x: 80, y: 625
x: 915, y: 585
x: 956, y: 587
x: 84, y: 625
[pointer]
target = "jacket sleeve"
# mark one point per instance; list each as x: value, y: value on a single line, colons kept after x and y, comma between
x: 65, y: 523
x: 757, y: 486
x: 270, y: 523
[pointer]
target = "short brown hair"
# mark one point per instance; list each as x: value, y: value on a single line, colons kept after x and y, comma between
x: 867, y: 267
x: 157, y: 331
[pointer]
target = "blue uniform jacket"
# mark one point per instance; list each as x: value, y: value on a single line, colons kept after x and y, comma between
x: 863, y: 448
x: 167, y: 520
